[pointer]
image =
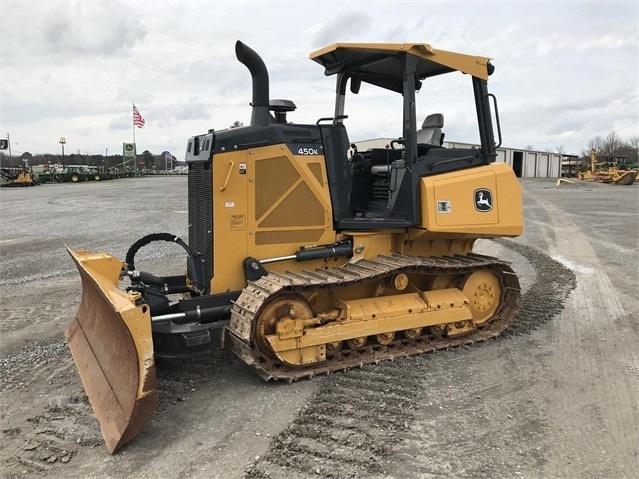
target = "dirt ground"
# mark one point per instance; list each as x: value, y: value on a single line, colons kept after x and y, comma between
x: 557, y: 396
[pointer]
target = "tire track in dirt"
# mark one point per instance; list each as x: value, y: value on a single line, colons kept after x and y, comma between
x: 336, y: 435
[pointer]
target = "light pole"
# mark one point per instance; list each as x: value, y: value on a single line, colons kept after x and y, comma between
x: 62, y: 141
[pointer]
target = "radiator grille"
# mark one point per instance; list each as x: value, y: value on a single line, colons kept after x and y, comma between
x: 201, y: 215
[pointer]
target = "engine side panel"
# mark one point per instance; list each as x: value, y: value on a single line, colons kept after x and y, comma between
x: 267, y: 202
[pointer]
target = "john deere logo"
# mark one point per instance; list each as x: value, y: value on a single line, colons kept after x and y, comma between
x: 483, y: 200
x: 128, y: 150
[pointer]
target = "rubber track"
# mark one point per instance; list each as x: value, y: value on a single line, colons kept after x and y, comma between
x: 257, y: 293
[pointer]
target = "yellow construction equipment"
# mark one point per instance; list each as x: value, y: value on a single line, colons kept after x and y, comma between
x: 607, y: 172
x: 304, y: 261
x: 17, y: 176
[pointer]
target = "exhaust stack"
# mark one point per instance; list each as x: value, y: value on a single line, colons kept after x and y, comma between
x: 260, y: 102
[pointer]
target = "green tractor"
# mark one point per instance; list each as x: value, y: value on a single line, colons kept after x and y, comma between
x: 76, y: 174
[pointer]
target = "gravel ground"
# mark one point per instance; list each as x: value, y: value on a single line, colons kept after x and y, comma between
x: 555, y: 396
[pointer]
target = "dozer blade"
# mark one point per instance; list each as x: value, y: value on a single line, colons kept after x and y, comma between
x: 111, y: 343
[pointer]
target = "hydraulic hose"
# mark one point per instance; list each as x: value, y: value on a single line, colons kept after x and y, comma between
x: 135, y: 247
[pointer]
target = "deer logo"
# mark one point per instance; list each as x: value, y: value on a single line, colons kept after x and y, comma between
x: 483, y: 200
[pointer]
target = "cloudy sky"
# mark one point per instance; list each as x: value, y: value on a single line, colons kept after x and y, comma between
x: 565, y: 71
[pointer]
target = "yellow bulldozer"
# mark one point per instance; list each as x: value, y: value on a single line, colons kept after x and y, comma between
x: 306, y: 256
x: 607, y: 172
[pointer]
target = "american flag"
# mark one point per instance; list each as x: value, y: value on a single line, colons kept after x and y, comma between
x: 137, y: 118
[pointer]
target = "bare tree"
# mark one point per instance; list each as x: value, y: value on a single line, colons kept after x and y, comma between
x: 611, y: 144
x: 595, y: 143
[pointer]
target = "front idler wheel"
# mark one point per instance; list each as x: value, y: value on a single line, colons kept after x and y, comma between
x: 292, y: 306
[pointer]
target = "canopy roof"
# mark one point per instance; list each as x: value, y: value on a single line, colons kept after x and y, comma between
x: 379, y: 64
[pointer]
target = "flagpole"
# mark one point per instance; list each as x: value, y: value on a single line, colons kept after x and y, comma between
x: 135, y: 162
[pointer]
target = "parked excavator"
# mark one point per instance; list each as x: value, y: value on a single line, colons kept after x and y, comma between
x: 302, y: 260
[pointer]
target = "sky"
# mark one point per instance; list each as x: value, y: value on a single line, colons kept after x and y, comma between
x: 565, y: 71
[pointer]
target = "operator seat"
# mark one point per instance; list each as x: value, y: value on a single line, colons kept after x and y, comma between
x: 431, y: 131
